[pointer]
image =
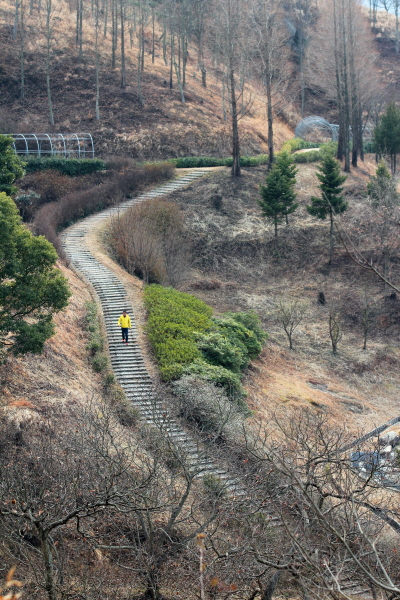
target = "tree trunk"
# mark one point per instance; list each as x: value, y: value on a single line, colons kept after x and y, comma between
x: 224, y: 115
x: 184, y: 59
x: 48, y: 565
x: 48, y: 50
x: 22, y: 53
x: 172, y: 44
x: 16, y: 20
x: 152, y: 34
x: 203, y: 76
x: 97, y: 60
x: 122, y: 20
x: 114, y: 34
x: 331, y: 237
x: 164, y: 36
x: 139, y: 78
x: 235, y: 129
x: 178, y: 77
x: 346, y: 98
x: 272, y: 583
x: 270, y: 119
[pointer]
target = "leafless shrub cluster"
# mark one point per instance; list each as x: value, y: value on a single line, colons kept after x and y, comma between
x: 91, y: 487
x: 150, y: 240
x: 76, y: 205
x: 208, y: 409
x: 304, y: 518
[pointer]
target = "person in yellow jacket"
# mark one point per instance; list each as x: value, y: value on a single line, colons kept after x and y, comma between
x: 125, y: 323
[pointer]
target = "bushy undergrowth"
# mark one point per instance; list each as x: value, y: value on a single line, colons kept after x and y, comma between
x: 211, y: 161
x: 307, y: 157
x: 187, y: 340
x: 67, y: 166
x: 298, y: 144
x: 52, y: 217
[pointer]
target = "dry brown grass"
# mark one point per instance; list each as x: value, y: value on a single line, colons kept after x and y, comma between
x: 34, y: 386
x: 164, y: 127
x: 358, y: 386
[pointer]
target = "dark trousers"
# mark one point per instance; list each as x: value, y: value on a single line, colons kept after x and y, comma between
x: 125, y: 333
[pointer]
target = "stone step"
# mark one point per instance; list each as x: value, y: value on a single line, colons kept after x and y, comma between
x: 127, y: 360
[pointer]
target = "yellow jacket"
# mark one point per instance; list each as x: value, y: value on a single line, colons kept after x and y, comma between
x: 124, y: 321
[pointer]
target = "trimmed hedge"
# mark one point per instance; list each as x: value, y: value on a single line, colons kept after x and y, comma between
x: 187, y: 340
x: 67, y: 166
x: 307, y: 157
x: 298, y: 144
x: 211, y: 161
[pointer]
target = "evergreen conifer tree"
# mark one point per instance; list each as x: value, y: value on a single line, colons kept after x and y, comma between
x: 278, y: 195
x: 331, y: 201
x: 31, y: 288
x: 11, y: 167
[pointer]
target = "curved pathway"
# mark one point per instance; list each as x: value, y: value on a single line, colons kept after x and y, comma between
x: 127, y: 361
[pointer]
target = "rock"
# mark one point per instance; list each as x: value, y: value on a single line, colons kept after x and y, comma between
x: 388, y: 437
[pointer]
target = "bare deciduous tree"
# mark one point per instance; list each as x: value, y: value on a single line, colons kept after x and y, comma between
x: 272, y: 52
x: 289, y: 315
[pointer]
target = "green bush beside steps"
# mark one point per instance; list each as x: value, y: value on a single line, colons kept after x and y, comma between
x: 188, y: 340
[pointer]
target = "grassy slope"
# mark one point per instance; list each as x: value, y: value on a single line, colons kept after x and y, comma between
x: 34, y: 386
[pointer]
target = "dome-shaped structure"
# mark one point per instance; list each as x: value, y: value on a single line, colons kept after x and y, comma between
x: 68, y: 145
x: 315, y: 129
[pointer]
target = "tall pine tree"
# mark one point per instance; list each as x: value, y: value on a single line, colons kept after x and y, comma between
x: 331, y: 201
x: 278, y: 196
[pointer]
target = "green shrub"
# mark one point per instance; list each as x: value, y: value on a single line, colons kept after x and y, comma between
x: 175, y: 322
x: 251, y: 321
x: 99, y: 362
x: 187, y: 340
x: 328, y: 149
x: 252, y: 161
x: 211, y: 161
x: 214, y: 486
x: 125, y: 411
x: 158, y: 297
x: 95, y: 344
x: 171, y: 372
x: 307, y: 157
x: 68, y: 166
x: 109, y: 379
x: 217, y: 375
x: 218, y: 350
x: 369, y: 148
x: 239, y: 335
x: 176, y: 351
x: 298, y: 144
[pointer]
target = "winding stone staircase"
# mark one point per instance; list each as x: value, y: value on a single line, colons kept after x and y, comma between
x: 127, y: 360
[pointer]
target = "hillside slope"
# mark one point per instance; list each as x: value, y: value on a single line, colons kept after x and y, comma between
x: 162, y: 127
x: 36, y: 387
x: 237, y: 267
